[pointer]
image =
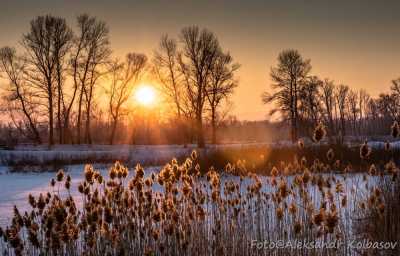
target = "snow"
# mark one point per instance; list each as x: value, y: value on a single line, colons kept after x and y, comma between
x: 16, y: 187
x: 145, y: 154
x: 73, y: 154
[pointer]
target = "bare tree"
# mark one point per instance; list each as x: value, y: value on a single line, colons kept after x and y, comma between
x: 221, y: 86
x: 166, y: 70
x: 200, y: 49
x: 353, y: 111
x: 363, y: 99
x: 395, y: 88
x: 372, y: 114
x: 287, y: 77
x: 13, y: 67
x: 309, y: 101
x: 123, y: 77
x: 46, y: 45
x: 387, y: 104
x: 328, y: 100
x: 395, y: 92
x: 341, y: 99
x: 90, y: 54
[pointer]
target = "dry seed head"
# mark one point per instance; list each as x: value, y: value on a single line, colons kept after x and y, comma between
x: 297, y: 227
x: 381, y: 208
x: 387, y: 146
x: 330, y: 154
x: 372, y: 170
x: 193, y: 155
x: 300, y: 143
x: 279, y: 213
x: 331, y: 220
x: 303, y: 161
x: 344, y: 201
x: 365, y: 150
x: 60, y: 175
x: 319, y: 132
x: 395, y: 130
x: 293, y: 208
x: 274, y: 172
x: 319, y: 217
x: 391, y: 167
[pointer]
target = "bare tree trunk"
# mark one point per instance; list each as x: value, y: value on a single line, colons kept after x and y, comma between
x: 113, y: 129
x: 199, y: 131
x: 51, y: 130
x: 292, y: 115
x: 59, y: 127
x: 88, y: 137
x: 294, y: 139
x: 28, y: 116
x: 79, y: 120
x: 213, y: 126
x: 67, y: 136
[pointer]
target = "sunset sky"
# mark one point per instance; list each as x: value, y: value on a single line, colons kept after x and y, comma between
x: 352, y: 42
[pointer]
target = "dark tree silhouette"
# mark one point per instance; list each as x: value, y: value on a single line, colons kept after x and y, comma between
x: 309, y: 101
x: 200, y: 50
x: 221, y: 86
x: 13, y: 67
x: 123, y: 77
x: 89, y: 57
x: 328, y: 101
x: 287, y: 77
x: 46, y: 45
x: 166, y: 70
x: 341, y: 99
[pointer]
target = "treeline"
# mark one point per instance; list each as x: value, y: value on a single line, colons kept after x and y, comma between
x: 65, y: 86
x: 305, y: 100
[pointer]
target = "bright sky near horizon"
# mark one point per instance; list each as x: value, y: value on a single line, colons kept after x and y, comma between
x: 352, y: 42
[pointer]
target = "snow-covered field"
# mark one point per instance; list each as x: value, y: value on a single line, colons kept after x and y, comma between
x: 15, y: 187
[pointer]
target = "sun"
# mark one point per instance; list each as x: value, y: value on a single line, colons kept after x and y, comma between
x: 145, y: 95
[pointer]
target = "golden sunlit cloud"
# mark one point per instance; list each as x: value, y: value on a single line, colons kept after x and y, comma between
x: 145, y: 95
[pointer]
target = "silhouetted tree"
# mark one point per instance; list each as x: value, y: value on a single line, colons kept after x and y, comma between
x: 123, y: 77
x: 309, y: 101
x: 166, y: 71
x: 287, y: 78
x: 46, y: 45
x: 196, y: 60
x: 363, y: 98
x: 328, y: 100
x: 353, y: 111
x: 341, y: 99
x: 90, y: 54
x: 221, y: 86
x: 13, y: 67
x: 387, y: 105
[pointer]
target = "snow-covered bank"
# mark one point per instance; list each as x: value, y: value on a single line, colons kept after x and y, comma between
x: 145, y: 154
x: 79, y: 154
